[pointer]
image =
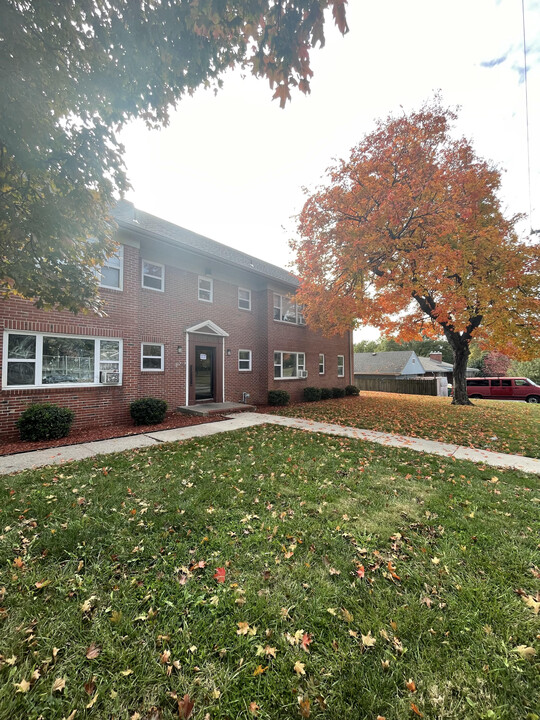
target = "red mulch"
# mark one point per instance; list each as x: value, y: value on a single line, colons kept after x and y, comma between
x: 173, y: 420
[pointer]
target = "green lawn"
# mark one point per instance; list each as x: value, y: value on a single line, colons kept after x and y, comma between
x: 359, y: 581
x: 508, y: 427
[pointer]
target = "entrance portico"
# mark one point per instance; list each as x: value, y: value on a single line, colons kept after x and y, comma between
x: 205, y: 358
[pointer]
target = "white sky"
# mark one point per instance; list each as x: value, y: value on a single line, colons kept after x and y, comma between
x: 232, y: 166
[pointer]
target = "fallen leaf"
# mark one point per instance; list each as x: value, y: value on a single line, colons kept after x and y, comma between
x: 346, y: 615
x: 253, y: 708
x: 58, y: 685
x: 93, y: 651
x: 23, y: 686
x: 92, y: 701
x: 411, y: 686
x: 416, y: 710
x: 185, y: 707
x: 360, y: 571
x: 299, y: 668
x: 127, y: 672
x: 368, y: 640
x: 259, y: 670
x: 305, y: 707
x: 306, y: 641
x: 527, y: 653
x: 219, y: 575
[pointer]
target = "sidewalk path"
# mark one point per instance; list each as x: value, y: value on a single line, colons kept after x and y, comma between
x: 53, y: 456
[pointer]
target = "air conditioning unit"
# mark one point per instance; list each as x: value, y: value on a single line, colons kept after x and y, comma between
x: 303, y: 373
x: 109, y: 378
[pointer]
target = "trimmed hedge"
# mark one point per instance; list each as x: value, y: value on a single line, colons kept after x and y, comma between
x: 338, y: 392
x: 148, y: 411
x: 312, y: 394
x: 45, y: 421
x: 326, y: 393
x: 352, y: 390
x: 278, y: 397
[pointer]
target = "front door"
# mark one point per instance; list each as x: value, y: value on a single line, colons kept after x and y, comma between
x: 205, y: 373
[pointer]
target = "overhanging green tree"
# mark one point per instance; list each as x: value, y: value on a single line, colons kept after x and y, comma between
x: 73, y: 72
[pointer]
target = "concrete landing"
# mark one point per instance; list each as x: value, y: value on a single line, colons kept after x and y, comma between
x: 212, y: 408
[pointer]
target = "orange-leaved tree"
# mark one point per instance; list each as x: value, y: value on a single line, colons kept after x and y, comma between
x: 409, y: 235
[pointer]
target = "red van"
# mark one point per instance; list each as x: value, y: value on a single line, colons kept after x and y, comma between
x: 503, y: 388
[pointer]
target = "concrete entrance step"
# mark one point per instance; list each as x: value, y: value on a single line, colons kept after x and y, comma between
x: 215, y: 408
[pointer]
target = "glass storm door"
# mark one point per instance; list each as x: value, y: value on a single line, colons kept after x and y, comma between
x: 204, y: 372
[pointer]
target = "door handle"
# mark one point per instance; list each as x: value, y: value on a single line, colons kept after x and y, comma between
x: 191, y: 374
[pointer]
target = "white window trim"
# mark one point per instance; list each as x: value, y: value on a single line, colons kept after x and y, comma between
x: 209, y: 280
x: 120, y: 287
x: 162, y: 357
x: 342, y: 373
x: 249, y: 299
x: 298, y: 365
x: 244, y: 360
x: 323, y: 363
x: 298, y: 315
x: 39, y: 360
x: 143, y: 275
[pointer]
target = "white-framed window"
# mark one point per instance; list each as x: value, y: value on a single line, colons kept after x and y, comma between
x: 153, y: 275
x: 244, y: 299
x: 289, y: 365
x: 206, y: 289
x: 321, y: 364
x: 152, y: 357
x: 41, y: 360
x: 287, y: 310
x: 244, y: 360
x: 111, y: 273
x: 341, y: 365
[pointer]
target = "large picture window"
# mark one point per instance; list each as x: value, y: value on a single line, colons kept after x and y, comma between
x: 36, y: 360
x: 289, y: 365
x: 287, y: 310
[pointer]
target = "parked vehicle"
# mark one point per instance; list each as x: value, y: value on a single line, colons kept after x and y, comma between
x: 503, y: 388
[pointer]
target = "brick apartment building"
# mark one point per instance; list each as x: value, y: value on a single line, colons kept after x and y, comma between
x: 188, y: 320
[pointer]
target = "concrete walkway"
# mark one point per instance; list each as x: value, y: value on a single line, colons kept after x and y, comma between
x: 54, y: 456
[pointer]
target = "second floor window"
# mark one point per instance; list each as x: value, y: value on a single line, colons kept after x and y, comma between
x: 110, y: 274
x: 287, y: 310
x: 244, y: 299
x: 206, y: 289
x: 153, y: 275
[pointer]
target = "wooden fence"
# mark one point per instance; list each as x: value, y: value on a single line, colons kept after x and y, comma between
x: 409, y: 386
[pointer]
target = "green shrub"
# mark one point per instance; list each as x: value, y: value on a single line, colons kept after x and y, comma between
x: 278, y: 397
x: 326, y: 393
x: 338, y: 392
x: 148, y: 411
x: 45, y: 421
x: 352, y: 390
x: 312, y: 394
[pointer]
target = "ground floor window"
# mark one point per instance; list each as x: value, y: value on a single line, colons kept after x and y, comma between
x: 288, y: 365
x: 244, y: 360
x: 37, y: 360
x: 321, y: 364
x: 341, y: 365
x: 152, y: 356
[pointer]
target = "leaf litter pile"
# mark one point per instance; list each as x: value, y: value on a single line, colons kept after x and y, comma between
x: 507, y: 427
x: 269, y: 573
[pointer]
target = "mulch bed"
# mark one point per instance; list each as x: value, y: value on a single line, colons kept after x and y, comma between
x: 75, y: 437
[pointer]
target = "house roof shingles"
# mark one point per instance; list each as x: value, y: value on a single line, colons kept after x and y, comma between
x: 382, y: 363
x: 130, y: 218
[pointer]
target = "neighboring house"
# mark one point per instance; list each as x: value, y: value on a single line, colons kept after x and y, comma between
x: 394, y: 364
x: 403, y: 364
x: 188, y: 320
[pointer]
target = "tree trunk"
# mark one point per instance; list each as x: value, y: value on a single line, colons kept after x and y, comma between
x: 460, y: 346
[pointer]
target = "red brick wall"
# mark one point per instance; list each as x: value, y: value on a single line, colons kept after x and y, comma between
x: 138, y: 315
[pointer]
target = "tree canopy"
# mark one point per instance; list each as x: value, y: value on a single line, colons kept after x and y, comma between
x: 409, y: 235
x: 73, y: 72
